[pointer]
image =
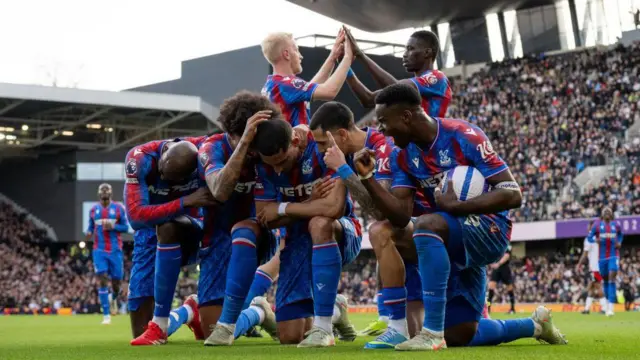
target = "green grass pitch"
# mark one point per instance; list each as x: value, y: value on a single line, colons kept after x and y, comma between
x: 82, y: 337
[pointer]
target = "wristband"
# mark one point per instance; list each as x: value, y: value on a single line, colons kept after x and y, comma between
x: 344, y: 171
x: 282, y: 207
x: 350, y: 74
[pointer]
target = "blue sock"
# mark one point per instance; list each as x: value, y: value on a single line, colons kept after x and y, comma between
x: 248, y: 319
x: 611, y: 293
x: 177, y: 318
x: 494, y: 332
x: 434, y: 270
x: 243, y: 263
x: 395, y: 300
x: 605, y: 290
x: 326, y: 265
x: 168, y: 261
x: 261, y: 283
x: 103, y: 295
x: 382, y: 309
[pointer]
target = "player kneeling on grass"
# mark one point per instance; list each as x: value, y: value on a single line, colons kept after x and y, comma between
x: 339, y: 139
x: 458, y: 236
x: 162, y: 198
x: 322, y: 235
x: 234, y: 243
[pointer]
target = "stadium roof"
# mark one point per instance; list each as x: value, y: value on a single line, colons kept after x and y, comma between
x: 388, y: 15
x: 37, y: 119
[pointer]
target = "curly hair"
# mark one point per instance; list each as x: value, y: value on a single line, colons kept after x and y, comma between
x: 236, y: 110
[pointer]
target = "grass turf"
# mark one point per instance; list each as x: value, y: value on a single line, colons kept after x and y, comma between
x: 82, y: 337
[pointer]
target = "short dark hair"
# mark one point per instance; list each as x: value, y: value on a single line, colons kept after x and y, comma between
x: 332, y: 115
x: 236, y: 110
x: 273, y: 136
x: 400, y: 93
x: 430, y: 40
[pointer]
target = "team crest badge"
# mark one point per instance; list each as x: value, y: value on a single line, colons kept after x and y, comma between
x: 204, y: 159
x: 306, y: 167
x: 112, y: 212
x: 445, y: 160
x: 416, y: 162
x: 298, y: 83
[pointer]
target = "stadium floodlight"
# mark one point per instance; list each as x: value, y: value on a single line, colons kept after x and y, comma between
x: 67, y: 133
x: 109, y: 129
x: 94, y: 126
x: 25, y: 127
x: 7, y: 129
x: 10, y: 137
x: 2, y: 136
x: 82, y: 244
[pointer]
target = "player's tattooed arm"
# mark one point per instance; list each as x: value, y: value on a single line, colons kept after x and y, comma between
x: 361, y: 195
x: 221, y: 183
x: 505, y: 195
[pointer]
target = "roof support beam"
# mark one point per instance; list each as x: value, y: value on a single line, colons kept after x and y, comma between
x: 172, y: 120
x: 11, y: 106
x: 71, y: 125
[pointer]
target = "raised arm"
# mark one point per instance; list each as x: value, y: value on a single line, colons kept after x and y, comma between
x: 336, y: 52
x: 221, y: 177
x: 380, y: 76
x: 330, y: 88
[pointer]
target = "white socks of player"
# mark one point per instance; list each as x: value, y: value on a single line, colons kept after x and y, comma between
x: 384, y: 319
x: 587, y: 303
x: 162, y: 322
x: 260, y: 312
x: 326, y: 322
x: 537, y: 329
x: 399, y: 326
x: 603, y: 304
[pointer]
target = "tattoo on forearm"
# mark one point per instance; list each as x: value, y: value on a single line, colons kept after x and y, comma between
x: 222, y: 183
x: 361, y: 195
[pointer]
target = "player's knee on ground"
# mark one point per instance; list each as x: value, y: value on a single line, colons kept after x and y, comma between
x: 209, y: 316
x: 168, y: 233
x: 247, y: 224
x: 321, y: 229
x: 380, y: 235
x: 434, y: 223
x: 292, y: 331
x: 461, y: 334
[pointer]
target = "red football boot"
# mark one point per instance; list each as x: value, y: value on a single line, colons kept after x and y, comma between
x: 152, y: 336
x: 194, y: 325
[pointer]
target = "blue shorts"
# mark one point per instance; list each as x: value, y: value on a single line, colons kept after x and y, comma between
x: 294, y: 279
x: 143, y: 260
x: 110, y: 263
x: 474, y: 242
x: 214, y: 263
x: 608, y: 265
x: 351, y: 241
x: 460, y: 311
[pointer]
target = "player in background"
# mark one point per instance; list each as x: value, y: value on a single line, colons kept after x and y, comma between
x: 323, y: 235
x: 594, y: 290
x: 608, y: 234
x: 291, y: 93
x: 455, y: 240
x: 502, y: 273
x: 163, y: 202
x: 107, y: 220
x: 337, y: 136
x: 231, y: 248
x: 419, y: 57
